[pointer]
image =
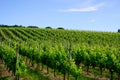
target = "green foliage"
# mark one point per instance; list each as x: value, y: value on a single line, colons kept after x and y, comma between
x: 8, y: 55
x: 51, y: 48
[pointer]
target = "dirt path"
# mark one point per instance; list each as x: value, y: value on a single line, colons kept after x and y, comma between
x: 4, y: 72
x: 50, y: 75
x: 84, y: 73
x: 96, y: 76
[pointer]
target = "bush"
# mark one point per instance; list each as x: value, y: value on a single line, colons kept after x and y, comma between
x: 32, y: 27
x: 118, y: 30
x: 48, y: 27
x: 60, y: 28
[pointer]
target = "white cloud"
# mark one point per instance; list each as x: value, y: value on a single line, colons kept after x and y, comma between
x: 85, y: 8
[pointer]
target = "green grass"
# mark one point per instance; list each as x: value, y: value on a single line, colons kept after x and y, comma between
x: 71, y: 77
x: 4, y: 78
x: 97, y: 71
x: 33, y: 75
x: 86, y: 78
x: 82, y: 78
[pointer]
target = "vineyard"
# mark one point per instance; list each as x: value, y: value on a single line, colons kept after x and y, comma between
x: 68, y: 53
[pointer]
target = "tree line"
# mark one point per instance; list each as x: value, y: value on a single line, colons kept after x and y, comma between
x: 20, y: 26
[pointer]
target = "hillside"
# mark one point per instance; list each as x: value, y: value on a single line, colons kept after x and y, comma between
x: 65, y: 51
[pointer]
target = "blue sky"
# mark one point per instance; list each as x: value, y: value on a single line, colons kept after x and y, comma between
x: 95, y: 15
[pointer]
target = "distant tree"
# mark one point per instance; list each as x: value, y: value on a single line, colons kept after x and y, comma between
x: 32, y: 27
x: 118, y: 30
x: 60, y: 28
x: 18, y: 26
x: 21, y: 26
x: 15, y: 26
x: 2, y: 25
x: 48, y: 27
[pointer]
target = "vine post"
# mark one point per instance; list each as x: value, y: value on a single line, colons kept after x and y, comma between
x: 69, y: 58
x: 17, y: 54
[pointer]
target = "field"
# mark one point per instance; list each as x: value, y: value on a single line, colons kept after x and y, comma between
x: 54, y: 54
